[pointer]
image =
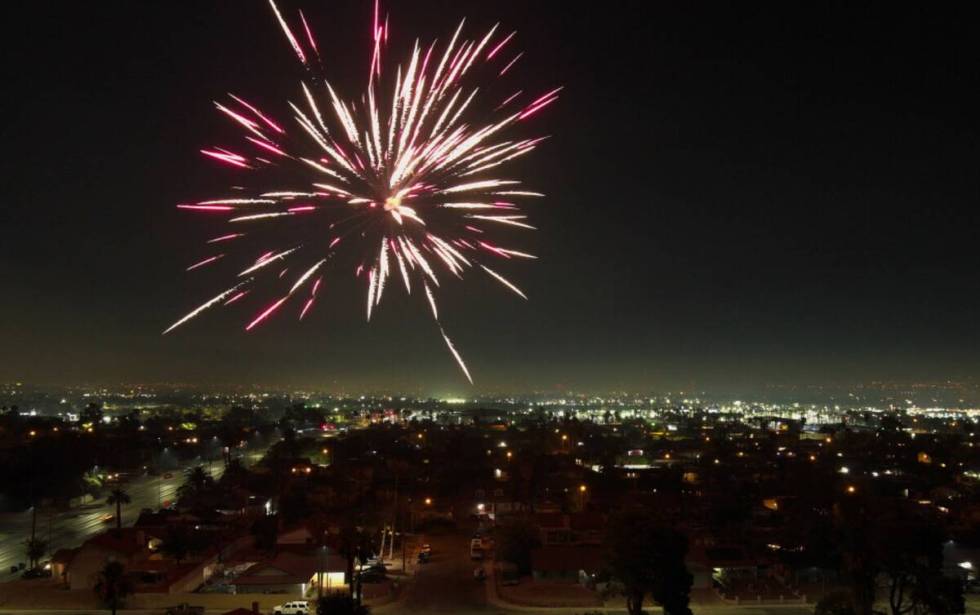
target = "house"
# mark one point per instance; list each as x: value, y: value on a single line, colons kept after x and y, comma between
x: 588, y: 528
x: 573, y: 529
x: 567, y: 564
x: 720, y: 564
x: 553, y: 528
x: 160, y: 576
x: 127, y: 546
x: 60, y: 561
x: 293, y: 574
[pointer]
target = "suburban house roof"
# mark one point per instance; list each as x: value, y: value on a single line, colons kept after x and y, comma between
x: 290, y: 569
x: 127, y: 541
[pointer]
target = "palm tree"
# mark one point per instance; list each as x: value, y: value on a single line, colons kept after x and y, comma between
x: 118, y: 497
x: 35, y: 549
x: 112, y: 586
x: 177, y: 543
x: 197, y: 481
x: 355, y: 546
x: 235, y: 473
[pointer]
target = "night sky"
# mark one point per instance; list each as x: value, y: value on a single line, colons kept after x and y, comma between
x: 737, y: 196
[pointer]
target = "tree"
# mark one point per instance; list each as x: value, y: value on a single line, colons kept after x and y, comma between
x: 118, y: 497
x: 176, y: 544
x: 940, y: 595
x: 294, y: 505
x: 902, y: 552
x: 910, y: 555
x: 112, y: 586
x: 34, y: 549
x: 355, y: 545
x: 515, y: 541
x: 197, y: 481
x: 266, y: 530
x: 649, y: 559
x: 91, y: 414
x: 130, y: 422
x: 835, y: 603
x: 236, y: 474
x: 339, y: 604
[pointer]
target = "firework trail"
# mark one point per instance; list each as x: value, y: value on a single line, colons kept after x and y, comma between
x: 402, y: 182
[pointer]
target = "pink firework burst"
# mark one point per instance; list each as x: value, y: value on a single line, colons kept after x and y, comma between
x: 394, y: 184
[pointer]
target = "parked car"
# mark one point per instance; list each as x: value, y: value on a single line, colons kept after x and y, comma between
x: 375, y: 562
x: 36, y: 573
x: 424, y: 558
x: 297, y: 607
x: 426, y: 548
x: 185, y: 609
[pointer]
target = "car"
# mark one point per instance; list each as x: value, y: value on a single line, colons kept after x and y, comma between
x: 36, y: 573
x: 426, y: 548
x: 297, y: 607
x: 424, y: 558
x: 185, y: 609
x: 372, y: 576
x: 106, y: 518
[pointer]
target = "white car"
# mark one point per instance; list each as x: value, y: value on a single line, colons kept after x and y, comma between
x: 299, y: 607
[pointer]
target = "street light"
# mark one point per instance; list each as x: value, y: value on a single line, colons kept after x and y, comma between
x: 428, y: 501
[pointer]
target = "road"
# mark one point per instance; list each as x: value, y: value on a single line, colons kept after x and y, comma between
x: 70, y: 528
x: 445, y: 584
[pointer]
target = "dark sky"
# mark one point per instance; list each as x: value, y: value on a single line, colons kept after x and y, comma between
x: 738, y: 195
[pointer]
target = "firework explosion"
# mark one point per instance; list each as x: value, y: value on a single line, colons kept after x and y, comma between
x: 408, y: 188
